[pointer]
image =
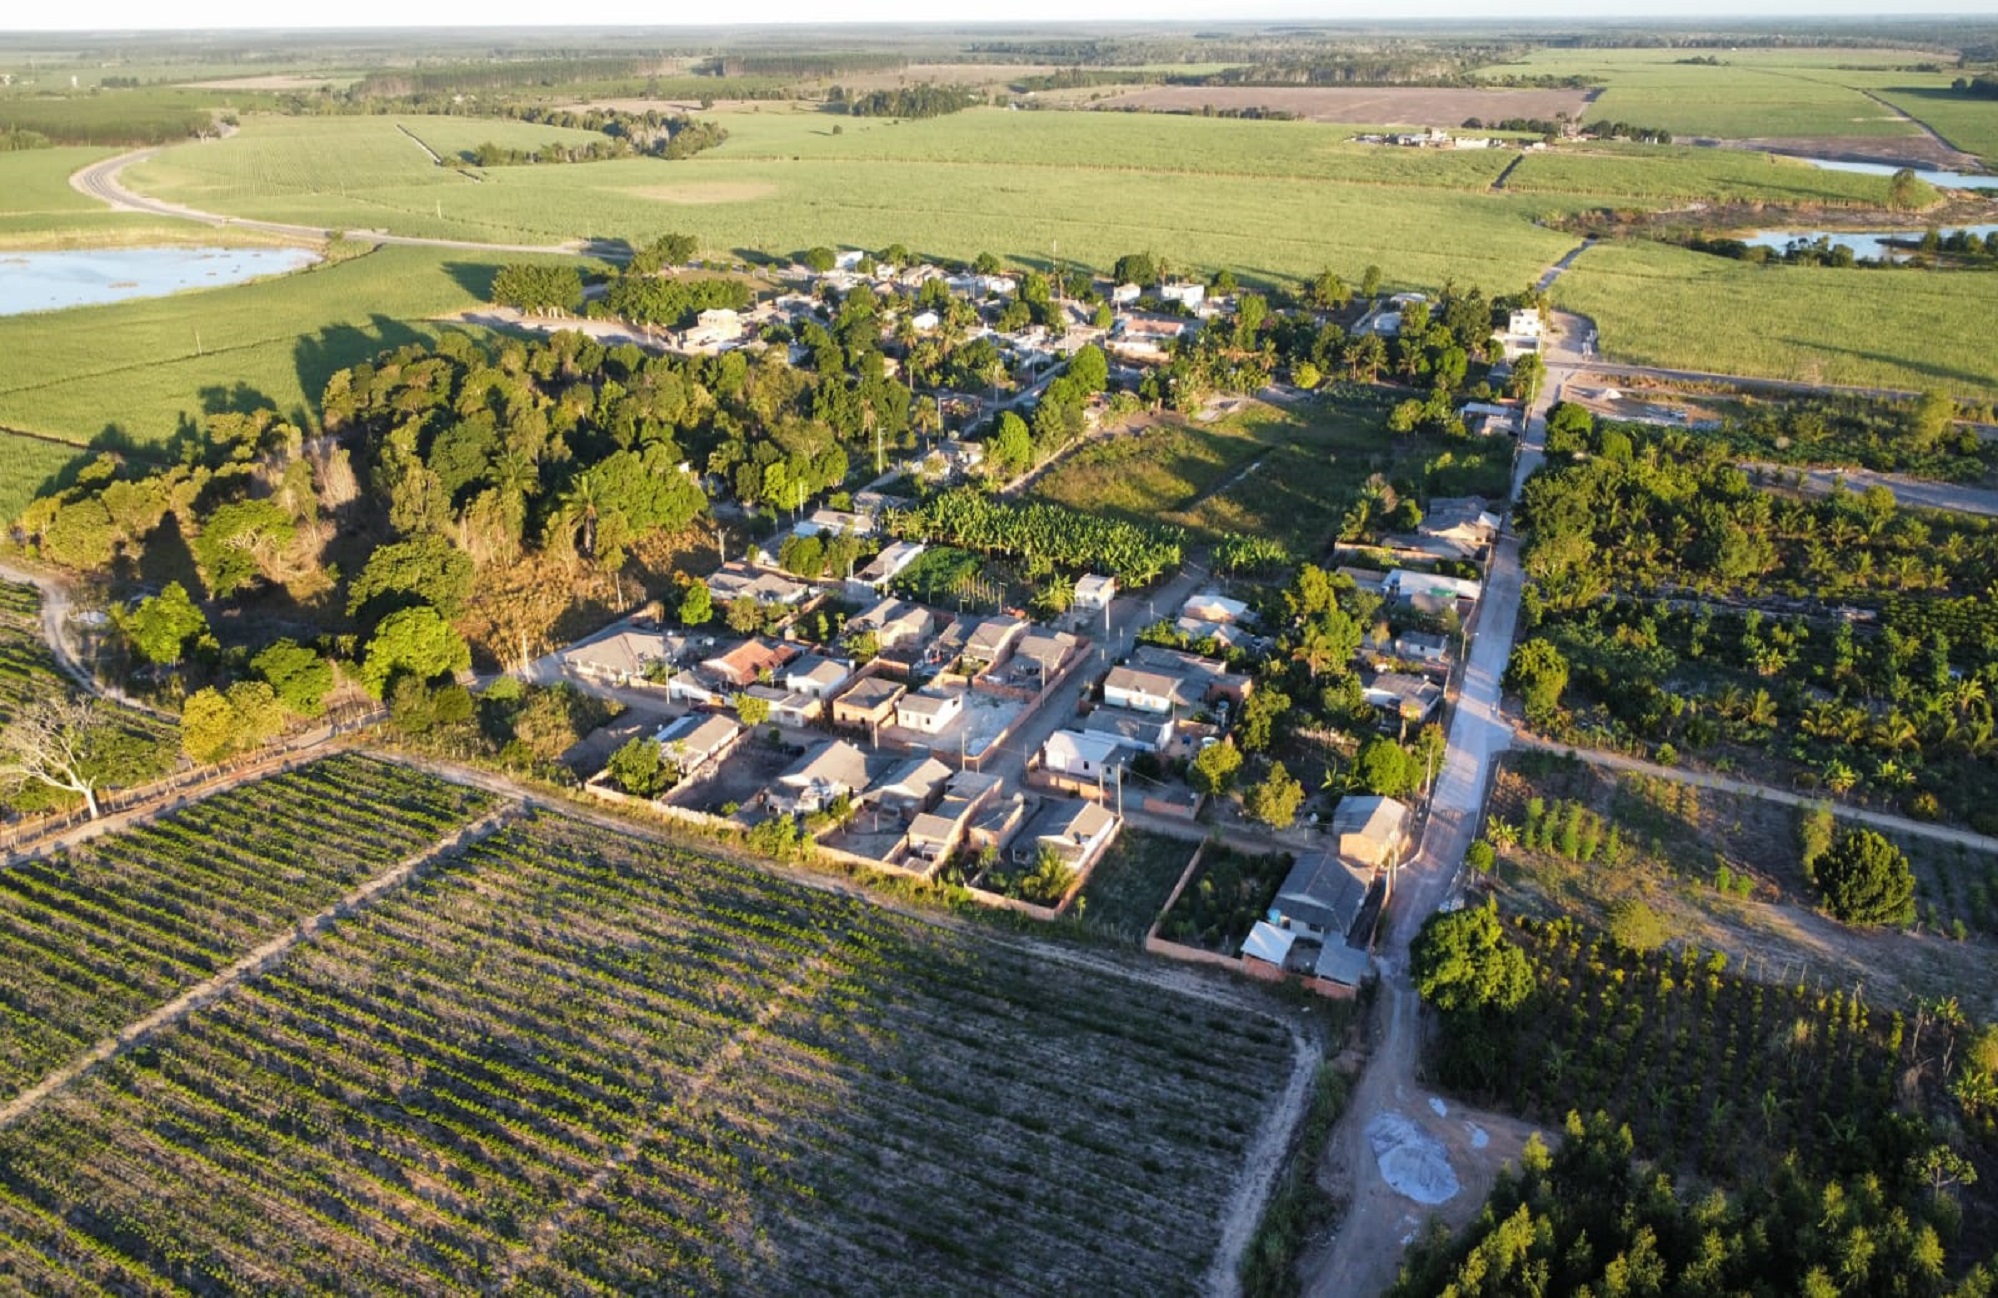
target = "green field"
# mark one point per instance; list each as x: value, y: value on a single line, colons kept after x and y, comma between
x: 133, y: 370
x: 1755, y: 94
x: 27, y: 464
x: 453, y: 136
x: 1670, y: 173
x: 1969, y: 124
x: 39, y: 209
x: 1264, y: 471
x: 1660, y: 305
x: 567, y: 1061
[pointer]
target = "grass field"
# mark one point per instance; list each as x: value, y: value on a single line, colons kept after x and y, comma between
x: 1661, y: 305
x: 152, y: 115
x: 453, y: 136
x: 27, y: 464
x: 1652, y: 173
x: 571, y: 1062
x: 1969, y: 124
x: 1308, y: 468
x: 39, y: 209
x: 1128, y: 888
x: 1755, y: 94
x: 132, y: 370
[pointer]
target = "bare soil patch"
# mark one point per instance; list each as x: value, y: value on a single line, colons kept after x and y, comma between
x: 1378, y: 106
x: 1920, y: 150
x: 275, y: 81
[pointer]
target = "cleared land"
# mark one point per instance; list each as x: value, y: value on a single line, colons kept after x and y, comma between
x: 1380, y: 106
x: 1660, y: 305
x: 572, y: 1062
x: 130, y: 372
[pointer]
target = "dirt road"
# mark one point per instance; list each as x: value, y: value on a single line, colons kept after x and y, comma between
x: 1915, y: 493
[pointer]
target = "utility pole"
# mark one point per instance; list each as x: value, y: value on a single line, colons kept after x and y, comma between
x: 1120, y: 790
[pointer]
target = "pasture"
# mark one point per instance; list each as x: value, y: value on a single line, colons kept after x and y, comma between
x: 132, y: 371
x: 1652, y: 173
x: 27, y: 464
x: 38, y: 208
x: 1375, y: 105
x: 1907, y: 329
x: 570, y: 1062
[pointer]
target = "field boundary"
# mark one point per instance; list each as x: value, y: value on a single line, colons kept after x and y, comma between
x: 256, y: 962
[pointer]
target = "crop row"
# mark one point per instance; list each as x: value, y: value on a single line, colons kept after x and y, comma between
x: 93, y: 937
x: 568, y: 1062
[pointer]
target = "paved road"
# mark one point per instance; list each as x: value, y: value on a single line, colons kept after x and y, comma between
x: 1768, y: 793
x: 100, y: 180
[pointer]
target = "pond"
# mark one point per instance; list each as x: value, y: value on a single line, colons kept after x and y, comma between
x: 1866, y: 245
x: 1940, y: 179
x: 50, y: 281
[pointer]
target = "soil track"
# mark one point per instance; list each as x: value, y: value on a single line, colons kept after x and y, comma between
x: 1376, y: 106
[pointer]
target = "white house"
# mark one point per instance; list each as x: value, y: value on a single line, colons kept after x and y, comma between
x: 1407, y: 586
x: 1524, y: 324
x: 924, y: 321
x: 1206, y: 606
x: 928, y: 713
x: 1079, y: 754
x: 888, y: 565
x: 1125, y: 294
x: 820, y: 778
x: 848, y: 260
x: 1076, y: 830
x: 834, y: 521
x: 734, y: 580
x: 816, y: 675
x: 694, y: 743
x: 1188, y: 295
x: 1140, y: 690
x: 1094, y: 593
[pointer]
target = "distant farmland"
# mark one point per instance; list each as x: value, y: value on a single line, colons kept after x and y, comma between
x: 1375, y: 105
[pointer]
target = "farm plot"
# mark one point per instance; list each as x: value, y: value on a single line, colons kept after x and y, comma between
x: 1382, y: 105
x: 576, y: 1063
x: 95, y: 936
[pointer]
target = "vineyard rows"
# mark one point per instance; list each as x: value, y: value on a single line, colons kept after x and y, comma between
x: 93, y: 937
x: 570, y: 1063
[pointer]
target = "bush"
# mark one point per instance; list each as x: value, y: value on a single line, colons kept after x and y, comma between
x: 1866, y: 880
x: 1637, y: 927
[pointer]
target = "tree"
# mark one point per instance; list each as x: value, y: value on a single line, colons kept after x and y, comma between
x: 237, y: 540
x: 1275, y: 800
x: 52, y: 741
x: 697, y: 605
x: 1815, y: 828
x: 215, y: 724
x: 301, y: 677
x: 1538, y: 673
x: 1260, y: 715
x: 640, y: 769
x: 1213, y: 770
x: 1569, y: 428
x: 159, y: 628
x: 1011, y: 447
x: 752, y: 710
x: 425, y: 569
x: 1463, y: 961
x: 820, y: 259
x: 744, y: 615
x: 1929, y: 419
x: 416, y: 641
x: 1386, y: 768
x: 1139, y: 268
x: 1866, y: 880
x: 539, y: 289
x: 1634, y: 926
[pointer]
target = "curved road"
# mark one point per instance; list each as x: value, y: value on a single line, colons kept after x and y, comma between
x: 100, y: 180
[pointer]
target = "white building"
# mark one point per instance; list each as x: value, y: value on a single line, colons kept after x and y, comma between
x: 927, y: 713
x: 1187, y: 295
x: 1094, y: 593
x: 1079, y: 754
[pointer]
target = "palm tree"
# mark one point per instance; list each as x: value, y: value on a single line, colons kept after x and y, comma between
x: 578, y: 509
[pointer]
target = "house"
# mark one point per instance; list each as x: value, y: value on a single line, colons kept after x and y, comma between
x: 1321, y: 898
x: 1206, y: 606
x: 1422, y: 647
x: 1408, y: 587
x: 697, y: 689
x: 1186, y: 295
x: 1341, y: 966
x: 820, y: 778
x: 992, y: 639
x: 1266, y: 951
x: 848, y: 260
x: 748, y: 662
x: 871, y: 702
x: 927, y: 713
x: 832, y: 522
x: 816, y: 675
x: 695, y: 743
x: 1458, y: 526
x: 1410, y: 700
x: 1524, y: 324
x: 1484, y: 418
x: 1142, y: 691
x: 788, y: 707
x: 713, y: 328
x: 1075, y: 829
x: 888, y: 565
x: 1224, y: 634
x: 912, y: 788
x: 1039, y: 655
x: 1371, y: 831
x: 1203, y: 680
x: 1371, y: 580
x: 924, y: 321
x: 623, y: 657
x: 893, y: 622
x: 1094, y: 593
x: 934, y: 835
x: 734, y: 580
x: 1125, y: 294
x: 1138, y: 730
x: 1081, y: 754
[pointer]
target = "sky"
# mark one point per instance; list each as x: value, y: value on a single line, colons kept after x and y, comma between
x: 23, y: 15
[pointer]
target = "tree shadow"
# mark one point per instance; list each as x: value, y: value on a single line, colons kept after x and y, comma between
x: 233, y: 399
x: 607, y: 248
x: 318, y: 357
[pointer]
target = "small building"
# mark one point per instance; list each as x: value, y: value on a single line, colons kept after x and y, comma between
x: 934, y: 835
x: 1125, y: 294
x: 912, y: 788
x: 748, y: 662
x: 734, y: 580
x: 893, y: 622
x: 1431, y: 647
x: 713, y: 328
x: 1076, y: 830
x: 871, y: 702
x: 993, y: 638
x: 924, y: 322
x: 1094, y: 593
x: 1202, y: 680
x: 1207, y: 606
x: 1460, y: 525
x: 1080, y: 754
x: 816, y: 675
x: 1266, y: 951
x: 1321, y: 898
x: 888, y: 565
x: 1372, y: 831
x: 1406, y: 586
x: 1138, y: 730
x: 623, y: 657
x: 927, y: 713
x: 1042, y: 653
x: 832, y: 522
x: 788, y: 707
x: 697, y: 689
x: 821, y: 777
x: 1138, y: 690
x: 696, y: 743
x: 1186, y: 295
x: 1409, y: 700
x: 1525, y: 324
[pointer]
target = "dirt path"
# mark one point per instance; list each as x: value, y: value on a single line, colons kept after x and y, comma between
x: 256, y: 962
x: 1958, y: 159
x: 1768, y: 793
x: 1918, y: 493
